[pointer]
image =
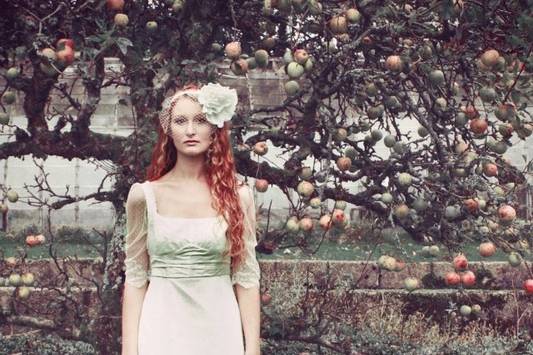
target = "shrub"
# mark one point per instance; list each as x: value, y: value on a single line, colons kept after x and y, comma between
x: 35, y: 344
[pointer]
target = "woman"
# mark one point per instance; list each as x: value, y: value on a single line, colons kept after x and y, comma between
x: 191, y: 237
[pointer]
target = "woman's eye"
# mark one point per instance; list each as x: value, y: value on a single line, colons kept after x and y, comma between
x: 181, y: 121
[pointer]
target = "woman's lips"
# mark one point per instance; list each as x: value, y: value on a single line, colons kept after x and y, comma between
x: 191, y: 142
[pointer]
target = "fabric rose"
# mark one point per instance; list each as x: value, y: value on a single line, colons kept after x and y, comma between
x: 218, y: 103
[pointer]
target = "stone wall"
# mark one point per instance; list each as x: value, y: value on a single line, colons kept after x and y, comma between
x: 299, y: 290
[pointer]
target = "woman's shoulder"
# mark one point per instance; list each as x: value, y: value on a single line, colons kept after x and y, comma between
x: 245, y: 192
x: 136, y: 195
x: 243, y: 186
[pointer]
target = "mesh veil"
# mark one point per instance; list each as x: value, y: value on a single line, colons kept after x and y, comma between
x: 165, y: 115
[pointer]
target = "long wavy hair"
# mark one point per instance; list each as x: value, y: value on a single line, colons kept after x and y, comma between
x: 221, y: 178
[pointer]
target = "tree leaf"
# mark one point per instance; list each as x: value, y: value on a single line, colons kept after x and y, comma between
x: 123, y: 44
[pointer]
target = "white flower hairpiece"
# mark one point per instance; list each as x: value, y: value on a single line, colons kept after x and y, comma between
x: 218, y: 103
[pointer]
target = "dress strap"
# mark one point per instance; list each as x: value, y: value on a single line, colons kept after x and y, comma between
x: 150, y: 199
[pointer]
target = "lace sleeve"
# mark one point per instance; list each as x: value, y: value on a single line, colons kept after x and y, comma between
x: 248, y: 274
x: 136, y: 260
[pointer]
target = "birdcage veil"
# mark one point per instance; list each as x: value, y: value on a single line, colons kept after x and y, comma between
x: 218, y: 104
x: 165, y: 115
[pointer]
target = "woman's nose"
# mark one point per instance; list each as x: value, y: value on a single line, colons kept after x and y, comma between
x: 190, y: 127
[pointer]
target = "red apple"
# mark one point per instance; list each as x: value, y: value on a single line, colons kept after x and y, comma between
x: 460, y: 262
x: 115, y: 5
x: 487, y: 249
x: 471, y: 205
x: 325, y: 222
x: 344, y: 163
x: 470, y: 111
x: 393, y: 63
x: 301, y: 56
x: 40, y: 238
x: 468, y: 278
x: 31, y: 240
x: 506, y: 130
x: 490, y: 169
x: 505, y: 111
x: 266, y: 298
x: 66, y: 42
x: 260, y: 148
x: 478, y: 125
x: 452, y: 278
x: 239, y: 66
x: 306, y: 224
x: 528, y: 286
x: 338, y: 216
x: 233, y: 50
x: 506, y: 213
x: 261, y: 185
x: 65, y: 55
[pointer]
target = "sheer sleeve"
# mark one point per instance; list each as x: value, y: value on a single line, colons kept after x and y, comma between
x: 248, y: 274
x: 136, y: 260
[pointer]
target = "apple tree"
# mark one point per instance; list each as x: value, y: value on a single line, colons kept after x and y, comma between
x: 417, y: 103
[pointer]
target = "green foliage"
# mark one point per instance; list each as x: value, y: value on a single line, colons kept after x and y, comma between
x: 32, y: 344
x: 392, y: 333
x: 76, y: 235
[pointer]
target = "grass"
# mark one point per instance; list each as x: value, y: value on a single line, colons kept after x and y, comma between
x: 329, y: 250
x: 9, y: 248
x: 332, y: 251
x: 360, y: 243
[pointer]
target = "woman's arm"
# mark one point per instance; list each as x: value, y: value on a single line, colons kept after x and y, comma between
x: 136, y: 264
x: 246, y: 278
x: 250, y: 310
x: 131, y: 312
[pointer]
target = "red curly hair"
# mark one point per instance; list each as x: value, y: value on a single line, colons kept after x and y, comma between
x: 221, y: 178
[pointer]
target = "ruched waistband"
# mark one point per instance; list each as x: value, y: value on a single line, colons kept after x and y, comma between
x: 190, y: 270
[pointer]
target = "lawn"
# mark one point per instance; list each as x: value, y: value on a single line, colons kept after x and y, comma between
x: 328, y: 250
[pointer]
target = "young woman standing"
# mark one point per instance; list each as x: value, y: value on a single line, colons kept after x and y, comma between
x: 192, y: 277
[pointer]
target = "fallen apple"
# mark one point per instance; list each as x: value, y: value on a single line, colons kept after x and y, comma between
x: 452, y: 278
x: 468, y: 278
x: 460, y: 262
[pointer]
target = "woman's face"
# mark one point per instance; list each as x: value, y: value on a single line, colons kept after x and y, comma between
x: 188, y: 122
